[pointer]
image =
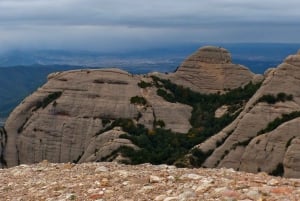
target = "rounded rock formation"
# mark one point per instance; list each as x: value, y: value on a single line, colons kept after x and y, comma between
x: 251, y: 142
x: 209, y: 70
x: 212, y: 55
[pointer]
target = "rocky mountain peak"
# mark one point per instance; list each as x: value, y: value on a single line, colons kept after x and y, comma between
x: 293, y: 59
x: 210, y: 70
x: 265, y: 136
x: 211, y: 55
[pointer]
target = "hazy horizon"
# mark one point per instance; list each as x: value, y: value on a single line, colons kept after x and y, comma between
x: 115, y: 25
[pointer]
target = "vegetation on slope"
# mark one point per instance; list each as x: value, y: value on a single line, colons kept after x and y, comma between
x: 204, y: 106
x: 278, y: 121
x: 48, y: 99
x: 270, y: 127
x: 139, y: 100
x: 159, y: 145
x: 272, y: 99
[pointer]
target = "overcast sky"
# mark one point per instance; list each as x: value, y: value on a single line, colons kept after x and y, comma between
x: 109, y: 25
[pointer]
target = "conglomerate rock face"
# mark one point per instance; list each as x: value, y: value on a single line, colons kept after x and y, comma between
x: 61, y: 121
x: 66, y: 119
x: 210, y: 70
x: 252, y: 143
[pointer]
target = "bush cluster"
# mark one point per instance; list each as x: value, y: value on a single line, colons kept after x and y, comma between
x: 272, y: 99
x: 47, y: 100
x: 159, y: 145
x: 278, y: 171
x: 278, y: 121
x: 138, y: 100
x: 144, y: 84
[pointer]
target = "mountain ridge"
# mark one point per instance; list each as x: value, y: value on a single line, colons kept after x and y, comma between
x: 52, y: 120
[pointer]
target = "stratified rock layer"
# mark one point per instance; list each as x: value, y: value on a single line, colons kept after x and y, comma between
x: 209, y: 70
x: 241, y: 146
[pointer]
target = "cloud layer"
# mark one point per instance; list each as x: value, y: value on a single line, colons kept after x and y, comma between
x: 108, y: 25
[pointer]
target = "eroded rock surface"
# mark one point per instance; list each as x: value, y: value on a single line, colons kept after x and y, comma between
x: 242, y: 146
x: 66, y: 120
x: 60, y: 122
x: 210, y: 70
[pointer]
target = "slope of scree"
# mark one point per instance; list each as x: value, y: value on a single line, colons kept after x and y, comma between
x: 265, y: 136
x: 111, y: 115
x: 113, y: 181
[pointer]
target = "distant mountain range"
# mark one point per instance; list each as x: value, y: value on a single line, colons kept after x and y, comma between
x: 22, y: 71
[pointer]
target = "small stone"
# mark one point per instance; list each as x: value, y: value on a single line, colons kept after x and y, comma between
x: 160, y: 198
x: 253, y: 194
x: 122, y: 173
x: 104, y: 182
x: 282, y: 190
x: 170, y: 198
x: 221, y: 189
x: 96, y: 196
x: 109, y: 191
x: 171, y: 178
x: 68, y: 166
x: 101, y: 169
x: 191, y: 176
x: 147, y: 188
x: 273, y: 182
x: 93, y: 190
x: 187, y: 195
x: 231, y: 194
x: 155, y: 179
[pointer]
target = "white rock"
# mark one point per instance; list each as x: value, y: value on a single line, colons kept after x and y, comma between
x: 272, y: 182
x: 186, y: 195
x: 253, y: 194
x: 191, y: 176
x: 101, y: 169
x: 159, y: 197
x: 171, y: 178
x: 155, y: 179
x: 170, y: 198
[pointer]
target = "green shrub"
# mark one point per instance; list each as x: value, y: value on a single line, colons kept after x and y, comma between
x: 47, y: 100
x: 203, y: 121
x: 159, y: 123
x: 165, y: 95
x: 272, y: 99
x: 289, y: 142
x: 105, y: 122
x: 279, y: 170
x: 199, y: 156
x: 160, y: 145
x: 278, y: 121
x: 144, y: 84
x: 138, y: 100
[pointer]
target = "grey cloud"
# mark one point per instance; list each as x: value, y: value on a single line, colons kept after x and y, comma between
x: 117, y: 23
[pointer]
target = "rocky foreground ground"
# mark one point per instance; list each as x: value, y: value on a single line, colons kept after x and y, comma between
x: 112, y: 181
